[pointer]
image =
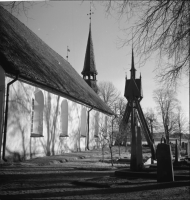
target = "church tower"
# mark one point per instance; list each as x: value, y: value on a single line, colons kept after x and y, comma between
x: 89, y: 71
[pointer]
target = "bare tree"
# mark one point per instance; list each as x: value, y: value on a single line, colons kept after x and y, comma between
x: 152, y: 120
x: 166, y: 103
x: 181, y: 122
x: 120, y: 107
x: 102, y: 138
x: 111, y: 96
x: 18, y: 7
x: 122, y: 128
x: 158, y: 26
x: 106, y: 136
x: 108, y: 93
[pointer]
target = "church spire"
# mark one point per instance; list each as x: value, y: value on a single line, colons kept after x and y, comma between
x: 89, y: 62
x: 132, y: 66
x: 89, y: 71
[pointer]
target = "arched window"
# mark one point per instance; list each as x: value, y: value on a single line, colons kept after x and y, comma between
x: 37, y: 114
x: 96, y: 124
x: 105, y: 126
x: 64, y: 119
x: 83, y: 126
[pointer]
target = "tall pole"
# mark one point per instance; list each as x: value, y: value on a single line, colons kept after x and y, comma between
x: 133, y: 161
x: 6, y: 115
x: 167, y: 131
x: 88, y: 123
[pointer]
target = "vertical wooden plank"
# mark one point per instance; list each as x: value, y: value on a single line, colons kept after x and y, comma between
x: 133, y: 161
x: 139, y: 149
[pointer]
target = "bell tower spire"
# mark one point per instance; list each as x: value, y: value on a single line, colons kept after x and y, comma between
x: 89, y: 71
x: 133, y: 70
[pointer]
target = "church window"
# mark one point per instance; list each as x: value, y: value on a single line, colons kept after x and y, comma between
x: 105, y: 126
x: 37, y: 114
x: 83, y: 127
x: 64, y: 119
x: 96, y: 125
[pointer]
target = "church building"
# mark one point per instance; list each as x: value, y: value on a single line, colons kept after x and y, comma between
x: 46, y: 107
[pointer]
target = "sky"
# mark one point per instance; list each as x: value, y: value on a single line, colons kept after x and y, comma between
x: 66, y: 23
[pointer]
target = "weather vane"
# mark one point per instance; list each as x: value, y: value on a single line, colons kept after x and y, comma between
x: 90, y: 12
x: 68, y: 50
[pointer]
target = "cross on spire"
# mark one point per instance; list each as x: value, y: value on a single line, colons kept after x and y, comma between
x: 90, y: 12
x: 68, y: 50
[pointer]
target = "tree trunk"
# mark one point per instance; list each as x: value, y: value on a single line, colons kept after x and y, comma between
x: 126, y: 145
x: 103, y: 152
x: 111, y: 155
x: 167, y: 134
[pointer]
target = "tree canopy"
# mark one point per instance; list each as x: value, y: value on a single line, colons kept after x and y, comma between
x: 158, y: 26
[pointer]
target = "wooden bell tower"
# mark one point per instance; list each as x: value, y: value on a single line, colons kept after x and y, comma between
x: 133, y: 94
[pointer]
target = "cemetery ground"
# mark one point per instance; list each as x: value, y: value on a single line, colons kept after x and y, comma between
x: 89, y: 175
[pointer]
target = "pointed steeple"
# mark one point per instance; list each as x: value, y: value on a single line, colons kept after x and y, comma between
x: 89, y: 62
x: 133, y: 70
x: 89, y: 71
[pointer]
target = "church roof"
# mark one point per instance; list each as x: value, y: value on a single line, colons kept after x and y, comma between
x: 22, y: 50
x: 89, y: 62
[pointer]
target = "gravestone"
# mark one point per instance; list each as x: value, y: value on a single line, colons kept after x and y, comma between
x: 164, y: 163
x: 185, y: 147
x: 136, y: 162
x: 188, y: 149
x: 177, y: 152
x: 163, y: 139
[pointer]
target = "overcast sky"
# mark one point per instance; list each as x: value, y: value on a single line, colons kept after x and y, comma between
x: 65, y: 23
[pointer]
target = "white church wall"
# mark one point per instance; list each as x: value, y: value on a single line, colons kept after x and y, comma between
x: 92, y: 133
x: 19, y: 120
x: 22, y: 143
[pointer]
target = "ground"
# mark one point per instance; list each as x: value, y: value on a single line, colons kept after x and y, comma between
x: 84, y: 175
